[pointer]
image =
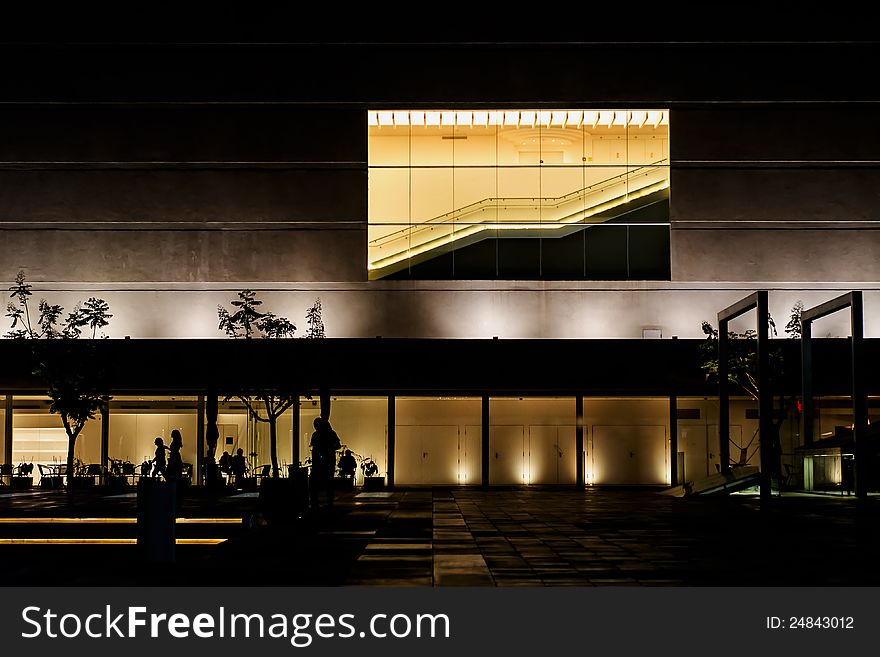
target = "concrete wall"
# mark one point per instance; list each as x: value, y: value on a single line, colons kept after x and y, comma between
x: 166, y: 209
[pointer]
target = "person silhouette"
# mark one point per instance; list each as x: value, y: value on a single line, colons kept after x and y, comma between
x: 159, y: 465
x: 239, y: 465
x: 347, y: 465
x: 324, y: 444
x: 175, y: 462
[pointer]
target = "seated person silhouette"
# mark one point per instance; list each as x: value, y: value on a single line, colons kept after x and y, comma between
x: 347, y: 465
x: 224, y: 462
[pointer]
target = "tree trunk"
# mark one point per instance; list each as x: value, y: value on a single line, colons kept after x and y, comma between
x: 273, y: 445
x: 71, y: 444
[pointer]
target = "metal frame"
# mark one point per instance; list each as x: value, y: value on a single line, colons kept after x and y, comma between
x: 853, y: 301
x: 759, y: 301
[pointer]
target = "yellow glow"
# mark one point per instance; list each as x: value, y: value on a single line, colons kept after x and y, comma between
x: 559, y: 118
x: 473, y: 229
x: 102, y: 541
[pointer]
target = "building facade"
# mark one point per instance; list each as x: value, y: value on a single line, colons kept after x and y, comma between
x: 504, y: 217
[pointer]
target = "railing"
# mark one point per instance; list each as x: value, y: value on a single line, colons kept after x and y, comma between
x: 574, y: 208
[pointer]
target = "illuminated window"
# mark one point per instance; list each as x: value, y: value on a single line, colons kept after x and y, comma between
x: 531, y: 194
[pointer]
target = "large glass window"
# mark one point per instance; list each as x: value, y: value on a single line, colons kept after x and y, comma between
x: 136, y: 422
x: 360, y: 422
x: 38, y: 437
x: 537, y: 194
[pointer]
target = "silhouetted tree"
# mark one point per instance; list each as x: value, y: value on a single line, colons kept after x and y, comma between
x: 742, y: 368
x: 72, y: 373
x: 314, y: 320
x: 245, y: 322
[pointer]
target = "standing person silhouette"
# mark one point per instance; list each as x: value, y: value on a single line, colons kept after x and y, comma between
x: 175, y: 462
x: 238, y: 467
x: 324, y: 444
x: 159, y: 465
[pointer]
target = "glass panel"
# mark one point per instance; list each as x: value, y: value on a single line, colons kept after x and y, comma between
x: 38, y: 437
x: 438, y: 440
x: 626, y: 441
x: 532, y: 440
x: 361, y: 424
x: 136, y: 423
x: 539, y: 175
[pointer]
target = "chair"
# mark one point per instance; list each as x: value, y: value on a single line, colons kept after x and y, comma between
x: 262, y: 472
x: 95, y: 470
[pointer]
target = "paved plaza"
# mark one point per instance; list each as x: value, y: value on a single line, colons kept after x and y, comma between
x: 455, y: 537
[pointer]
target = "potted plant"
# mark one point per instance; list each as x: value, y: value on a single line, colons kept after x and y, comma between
x: 81, y: 477
x: 372, y: 480
x: 23, y: 477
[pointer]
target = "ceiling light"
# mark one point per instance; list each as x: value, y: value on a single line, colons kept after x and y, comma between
x: 372, y: 118
x: 511, y: 118
x: 544, y: 118
x: 447, y: 118
x: 432, y: 118
x: 496, y: 118
x: 464, y: 118
x: 386, y: 118
x: 527, y: 118
x: 481, y: 118
x: 606, y: 118
x: 417, y: 118
x: 401, y: 118
x: 591, y: 118
x: 638, y: 118
x: 559, y: 118
x: 620, y: 118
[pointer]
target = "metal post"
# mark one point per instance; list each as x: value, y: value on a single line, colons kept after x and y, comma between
x: 807, y: 382
x: 200, y: 440
x: 673, y: 440
x: 105, y: 439
x: 7, y: 431
x: 391, y: 432
x: 859, y: 393
x: 765, y: 399
x: 579, y: 440
x: 484, y: 443
x: 294, y: 433
x: 723, y: 400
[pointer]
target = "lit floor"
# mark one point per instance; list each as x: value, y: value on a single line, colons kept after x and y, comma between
x: 463, y: 537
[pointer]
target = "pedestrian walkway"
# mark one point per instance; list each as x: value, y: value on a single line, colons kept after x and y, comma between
x: 467, y: 537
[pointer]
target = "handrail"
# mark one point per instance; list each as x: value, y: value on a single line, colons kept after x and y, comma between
x: 498, y: 201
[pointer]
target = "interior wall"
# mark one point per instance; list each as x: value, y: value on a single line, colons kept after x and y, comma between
x: 360, y: 422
